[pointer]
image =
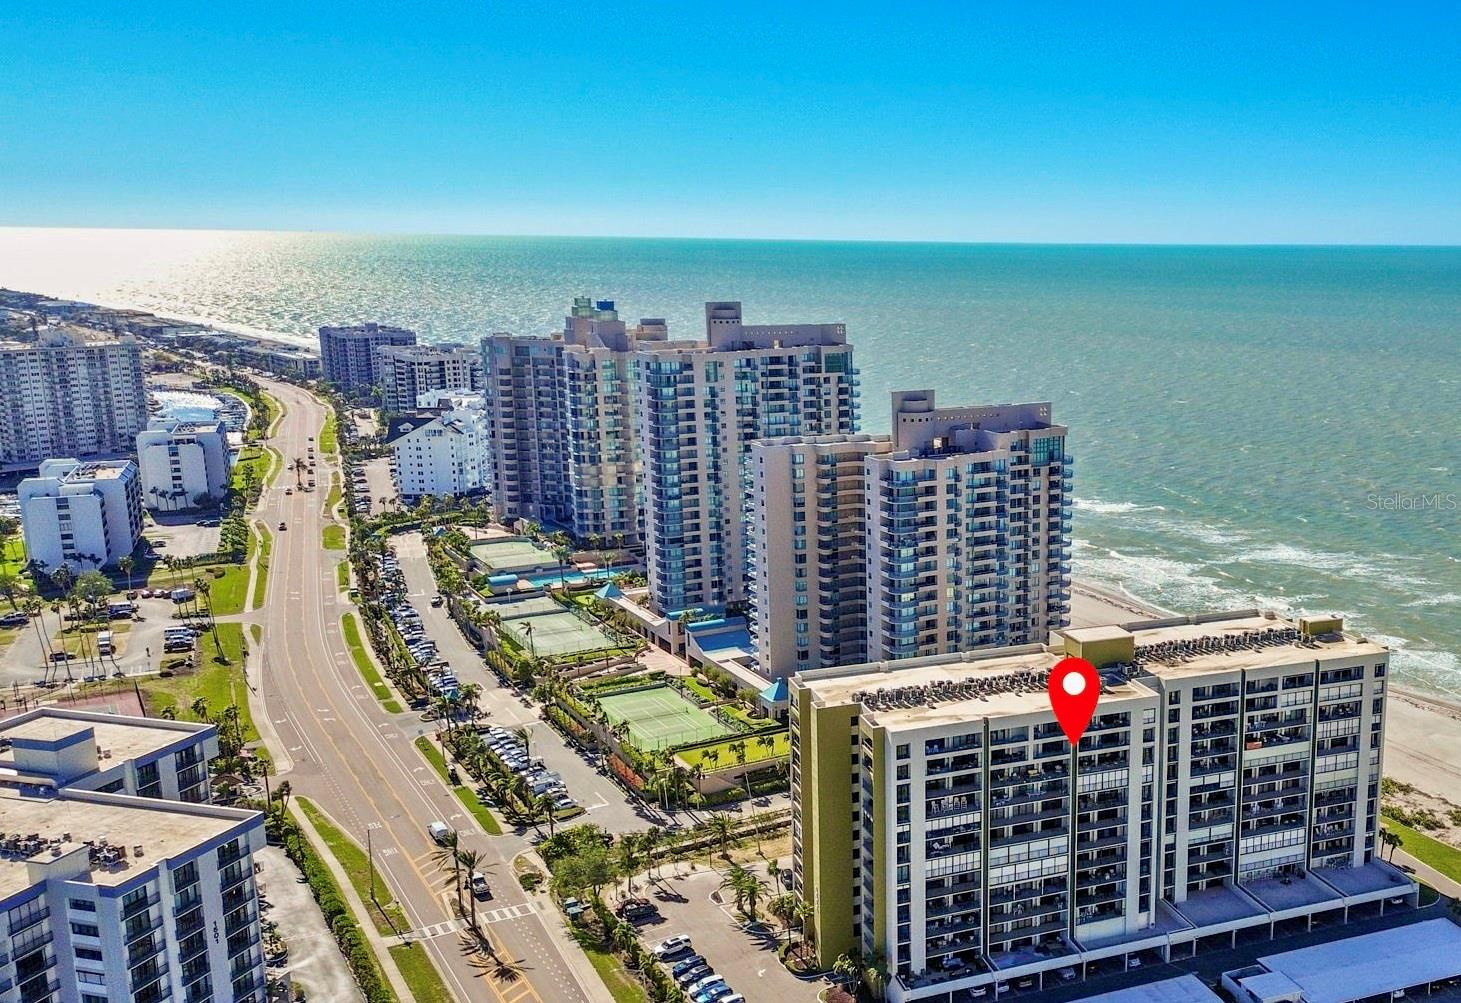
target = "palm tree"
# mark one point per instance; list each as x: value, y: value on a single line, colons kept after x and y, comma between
x: 9, y: 587
x: 746, y: 887
x: 847, y: 968
x: 789, y: 910
x: 127, y: 563
x: 629, y: 857
x: 739, y: 748
x: 525, y: 736
x: 471, y: 860
x: 722, y: 828
x: 446, y: 854
x: 299, y: 466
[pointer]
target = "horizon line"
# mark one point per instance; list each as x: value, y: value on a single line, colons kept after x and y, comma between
x: 707, y: 238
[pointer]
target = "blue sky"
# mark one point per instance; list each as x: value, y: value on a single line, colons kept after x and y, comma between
x: 1087, y: 122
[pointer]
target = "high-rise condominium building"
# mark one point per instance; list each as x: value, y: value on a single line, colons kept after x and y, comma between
x: 117, y: 878
x: 79, y: 515
x: 699, y: 405
x: 1229, y: 779
x: 71, y: 393
x: 347, y: 354
x: 184, y: 464
x: 561, y: 425
x: 952, y: 533
x: 405, y: 372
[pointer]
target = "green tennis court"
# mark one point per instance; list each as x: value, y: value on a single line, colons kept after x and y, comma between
x: 659, y: 718
x: 513, y: 554
x: 551, y: 634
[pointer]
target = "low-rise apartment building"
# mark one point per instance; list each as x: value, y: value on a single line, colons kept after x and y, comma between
x: 183, y: 464
x: 1228, y: 779
x: 81, y: 515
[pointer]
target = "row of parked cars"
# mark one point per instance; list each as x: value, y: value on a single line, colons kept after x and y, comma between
x: 402, y: 613
x: 693, y: 974
x: 508, y: 748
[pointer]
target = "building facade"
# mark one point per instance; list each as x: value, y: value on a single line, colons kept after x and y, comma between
x: 81, y: 515
x: 953, y: 533
x: 118, y: 879
x: 405, y: 372
x: 347, y: 354
x: 807, y: 550
x: 440, y: 453
x: 561, y: 423
x: 277, y: 357
x: 71, y: 393
x: 1230, y: 758
x: 698, y: 406
x: 183, y: 464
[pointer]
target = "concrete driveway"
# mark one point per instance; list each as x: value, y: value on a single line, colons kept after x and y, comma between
x: 315, y: 961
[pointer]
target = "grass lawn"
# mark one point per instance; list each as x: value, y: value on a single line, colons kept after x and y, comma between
x: 276, y: 467
x: 342, y: 575
x: 420, y: 974
x: 467, y: 796
x: 261, y: 582
x: 367, y: 668
x: 334, y: 536
x: 249, y: 458
x: 220, y: 684
x: 12, y: 554
x: 621, y: 985
x: 387, y: 914
x: 1442, y: 856
x: 702, y: 691
x: 328, y: 439
x: 755, y: 751
x: 333, y: 498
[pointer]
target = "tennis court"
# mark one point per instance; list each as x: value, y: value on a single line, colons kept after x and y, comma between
x: 550, y: 635
x: 659, y: 718
x: 513, y: 554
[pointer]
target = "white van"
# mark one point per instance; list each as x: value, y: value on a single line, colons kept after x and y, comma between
x: 438, y: 831
x: 104, y: 642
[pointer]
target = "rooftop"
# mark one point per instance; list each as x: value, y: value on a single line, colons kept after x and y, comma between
x: 1183, y: 989
x: 123, y: 737
x: 44, y: 829
x: 944, y: 689
x: 1226, y: 642
x: 1373, y: 964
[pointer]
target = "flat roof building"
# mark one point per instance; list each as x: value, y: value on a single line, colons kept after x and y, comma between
x: 117, y: 877
x: 698, y: 407
x: 81, y: 515
x: 347, y: 354
x: 951, y: 534
x: 183, y: 464
x: 1229, y: 778
x: 406, y: 372
x: 70, y: 393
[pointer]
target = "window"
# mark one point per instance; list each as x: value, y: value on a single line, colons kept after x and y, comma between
x: 85, y: 930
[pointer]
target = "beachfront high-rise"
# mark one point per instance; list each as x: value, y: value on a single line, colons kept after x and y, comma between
x: 1228, y: 780
x: 953, y: 533
x: 347, y: 354
x: 405, y: 372
x: 699, y: 407
x: 561, y: 426
x: 72, y: 392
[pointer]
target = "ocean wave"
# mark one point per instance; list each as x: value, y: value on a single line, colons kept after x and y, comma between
x: 1112, y: 508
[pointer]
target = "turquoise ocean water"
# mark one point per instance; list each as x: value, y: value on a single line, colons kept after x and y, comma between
x: 1251, y: 425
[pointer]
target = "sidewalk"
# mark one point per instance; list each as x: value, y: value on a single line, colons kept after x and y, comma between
x: 574, y: 959
x: 361, y: 913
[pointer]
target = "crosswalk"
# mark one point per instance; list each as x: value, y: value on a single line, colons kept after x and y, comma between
x: 437, y: 930
x: 507, y: 912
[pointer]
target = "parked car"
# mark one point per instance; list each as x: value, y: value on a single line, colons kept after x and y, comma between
x: 710, y: 994
x: 694, y: 974
x: 686, y: 965
x: 671, y: 946
x: 282, y: 526
x: 633, y: 908
x: 14, y: 620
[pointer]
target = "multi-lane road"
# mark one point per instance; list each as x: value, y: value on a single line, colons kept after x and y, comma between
x: 338, y: 747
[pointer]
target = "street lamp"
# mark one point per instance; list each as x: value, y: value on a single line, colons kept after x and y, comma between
x: 370, y: 856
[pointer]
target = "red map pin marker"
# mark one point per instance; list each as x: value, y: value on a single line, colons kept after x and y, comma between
x: 1074, y: 689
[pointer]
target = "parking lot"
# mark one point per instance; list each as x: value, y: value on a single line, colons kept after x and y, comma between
x: 182, y: 534
x: 689, y: 903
